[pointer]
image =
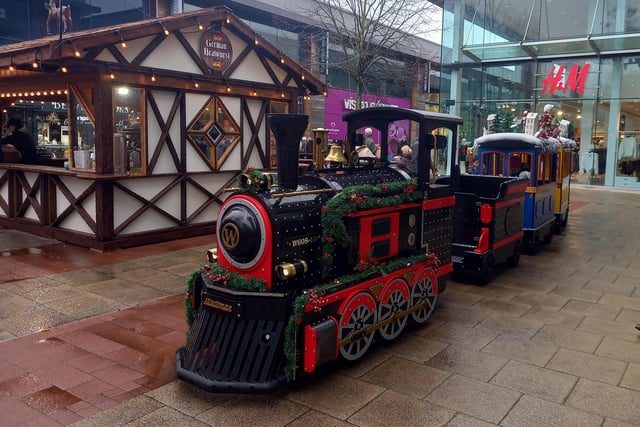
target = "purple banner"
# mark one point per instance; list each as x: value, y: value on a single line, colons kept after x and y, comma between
x: 339, y: 102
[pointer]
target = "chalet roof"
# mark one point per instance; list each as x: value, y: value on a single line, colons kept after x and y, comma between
x: 84, y: 46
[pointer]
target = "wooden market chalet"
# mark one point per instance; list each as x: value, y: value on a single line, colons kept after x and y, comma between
x: 153, y: 120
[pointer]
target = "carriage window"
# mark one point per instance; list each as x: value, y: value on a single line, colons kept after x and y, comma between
x: 129, y: 145
x: 519, y: 164
x: 492, y: 163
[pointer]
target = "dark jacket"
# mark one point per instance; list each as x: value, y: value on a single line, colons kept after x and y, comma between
x: 24, y: 142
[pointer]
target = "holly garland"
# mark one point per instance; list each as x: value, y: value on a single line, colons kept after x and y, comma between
x: 357, y: 198
x: 220, y: 276
x: 254, y: 181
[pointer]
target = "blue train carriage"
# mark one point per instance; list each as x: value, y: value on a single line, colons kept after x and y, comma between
x: 488, y: 222
x: 519, y: 154
x: 565, y: 149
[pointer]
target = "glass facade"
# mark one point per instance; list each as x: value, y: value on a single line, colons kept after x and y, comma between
x: 508, y: 58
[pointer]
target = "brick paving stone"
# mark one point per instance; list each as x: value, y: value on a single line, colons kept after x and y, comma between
x: 258, y: 410
x: 531, y: 411
x: 487, y: 402
x: 467, y: 362
x: 392, y: 375
x: 606, y: 400
x: 526, y: 351
x: 567, y: 338
x: 618, y: 349
x: 398, y: 409
x: 462, y: 335
x: 535, y: 381
x: 631, y: 378
x: 588, y: 366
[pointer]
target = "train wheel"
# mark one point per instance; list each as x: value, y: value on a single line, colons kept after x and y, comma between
x: 488, y: 270
x: 394, y: 300
x: 357, y: 318
x: 514, y: 259
x: 424, y: 294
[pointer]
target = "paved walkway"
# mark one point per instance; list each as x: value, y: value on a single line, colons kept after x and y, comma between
x: 88, y: 339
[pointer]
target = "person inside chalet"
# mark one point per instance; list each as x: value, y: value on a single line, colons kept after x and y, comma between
x: 22, y: 140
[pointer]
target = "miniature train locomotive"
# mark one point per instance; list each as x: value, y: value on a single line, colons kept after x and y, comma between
x: 319, y: 265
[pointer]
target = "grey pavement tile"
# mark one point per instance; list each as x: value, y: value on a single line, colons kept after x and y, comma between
x: 182, y: 269
x: 122, y: 414
x: 358, y: 368
x: 622, y: 330
x: 553, y: 317
x: 588, y: 366
x: 628, y: 315
x: 567, y: 338
x: 125, y: 292
x: 451, y: 312
x: 460, y: 297
x: 540, y: 299
x: 168, y: 417
x: 337, y: 395
x: 464, y: 361
x: 118, y: 267
x: 531, y: 411
x: 24, y: 287
x: 620, y: 301
x: 415, y: 347
x: 35, y: 320
x: 52, y: 293
x: 515, y: 309
x: 253, y: 410
x: 488, y: 402
x: 610, y: 422
x: 318, y: 419
x: 170, y: 283
x: 621, y: 289
x: 508, y: 325
x: 618, y: 349
x: 463, y: 420
x: 494, y: 292
x: 392, y: 375
x: 461, y: 335
x: 631, y: 378
x: 84, y: 305
x: 577, y: 293
x: 524, y: 350
x: 81, y: 277
x: 187, y: 398
x: 535, y: 381
x: 398, y: 409
x: 526, y: 285
x: 606, y: 400
x: 591, y: 309
x: 140, y: 274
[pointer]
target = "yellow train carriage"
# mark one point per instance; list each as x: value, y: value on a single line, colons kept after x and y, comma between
x: 563, y: 181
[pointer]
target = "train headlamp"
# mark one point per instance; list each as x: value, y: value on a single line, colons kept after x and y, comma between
x: 289, y: 270
x: 212, y: 254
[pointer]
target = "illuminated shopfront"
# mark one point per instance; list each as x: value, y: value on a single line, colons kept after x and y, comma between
x: 581, y: 56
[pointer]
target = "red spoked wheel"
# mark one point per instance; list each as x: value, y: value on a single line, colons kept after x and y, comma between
x: 394, y: 300
x: 424, y: 293
x: 355, y: 334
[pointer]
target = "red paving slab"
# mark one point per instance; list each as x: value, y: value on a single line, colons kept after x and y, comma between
x: 61, y: 375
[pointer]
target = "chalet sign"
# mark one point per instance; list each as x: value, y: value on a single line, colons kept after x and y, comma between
x: 215, y: 50
x: 558, y: 80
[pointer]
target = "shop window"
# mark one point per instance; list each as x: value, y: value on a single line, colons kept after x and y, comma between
x: 81, y: 149
x: 214, y: 132
x: 129, y: 150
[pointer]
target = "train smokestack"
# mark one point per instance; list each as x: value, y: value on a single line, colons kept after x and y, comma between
x: 288, y: 130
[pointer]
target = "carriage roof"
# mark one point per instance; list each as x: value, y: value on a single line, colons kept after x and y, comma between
x: 522, y: 141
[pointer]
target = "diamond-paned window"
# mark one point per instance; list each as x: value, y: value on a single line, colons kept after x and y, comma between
x: 214, y: 132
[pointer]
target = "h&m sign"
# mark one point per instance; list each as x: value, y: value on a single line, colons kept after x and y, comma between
x: 558, y: 80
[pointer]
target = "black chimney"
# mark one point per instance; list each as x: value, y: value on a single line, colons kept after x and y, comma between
x: 288, y: 130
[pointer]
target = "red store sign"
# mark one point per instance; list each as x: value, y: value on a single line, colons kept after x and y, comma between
x: 215, y: 50
x: 557, y: 80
